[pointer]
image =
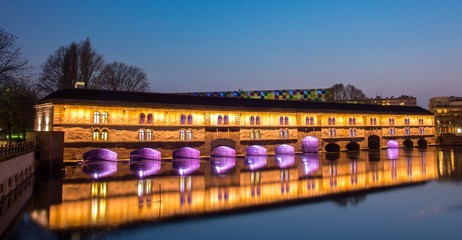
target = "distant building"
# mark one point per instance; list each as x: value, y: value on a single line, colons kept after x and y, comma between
x: 448, y: 113
x: 313, y: 95
x: 402, y: 100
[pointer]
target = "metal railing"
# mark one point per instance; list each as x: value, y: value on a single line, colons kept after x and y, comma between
x: 11, y: 150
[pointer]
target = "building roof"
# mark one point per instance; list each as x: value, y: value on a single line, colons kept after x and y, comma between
x: 72, y: 96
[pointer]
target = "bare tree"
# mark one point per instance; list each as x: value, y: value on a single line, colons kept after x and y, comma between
x: 12, y: 64
x: 122, y: 77
x: 78, y: 62
x: 17, y: 98
x: 348, y: 92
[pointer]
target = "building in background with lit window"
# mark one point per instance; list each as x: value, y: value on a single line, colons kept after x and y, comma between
x: 448, y: 115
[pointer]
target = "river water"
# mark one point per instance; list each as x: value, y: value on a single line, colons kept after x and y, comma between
x: 385, y: 194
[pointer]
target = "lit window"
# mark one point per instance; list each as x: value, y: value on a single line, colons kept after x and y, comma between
x: 311, y: 121
x: 252, y: 120
x: 104, y: 135
x: 142, y: 118
x: 281, y: 120
x: 190, y: 119
x: 189, y: 135
x: 96, y: 135
x: 149, y: 134
x: 252, y: 134
x: 281, y: 133
x: 307, y: 121
x: 141, y: 135
x: 257, y: 120
x: 257, y: 134
x: 182, y: 135
x: 96, y: 117
x: 225, y: 120
x: 286, y: 133
x: 104, y: 118
x: 286, y: 120
x: 422, y: 131
x: 149, y: 118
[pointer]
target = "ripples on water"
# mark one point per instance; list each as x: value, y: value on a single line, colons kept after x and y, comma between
x: 344, y: 195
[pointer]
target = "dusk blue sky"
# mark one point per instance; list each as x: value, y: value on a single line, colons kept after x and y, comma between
x: 388, y: 48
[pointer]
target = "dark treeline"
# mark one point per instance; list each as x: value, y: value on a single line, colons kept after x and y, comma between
x: 75, y: 64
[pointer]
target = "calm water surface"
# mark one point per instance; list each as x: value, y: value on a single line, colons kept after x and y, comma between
x: 400, y: 194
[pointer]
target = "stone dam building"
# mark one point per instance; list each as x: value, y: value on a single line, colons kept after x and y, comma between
x: 125, y: 121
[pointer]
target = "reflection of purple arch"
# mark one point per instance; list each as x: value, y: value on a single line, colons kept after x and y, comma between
x: 223, y: 151
x: 310, y: 144
x: 145, y: 168
x: 100, y: 154
x: 99, y: 168
x: 255, y: 162
x: 285, y: 160
x: 393, y: 153
x: 186, y: 152
x: 255, y: 150
x: 185, y: 166
x: 145, y: 153
x: 284, y: 149
x: 392, y: 144
x: 310, y: 162
x: 222, y: 164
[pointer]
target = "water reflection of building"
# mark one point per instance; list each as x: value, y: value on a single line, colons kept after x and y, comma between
x: 167, y: 194
x: 104, y: 119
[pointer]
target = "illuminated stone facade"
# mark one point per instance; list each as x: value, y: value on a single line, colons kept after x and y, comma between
x: 124, y: 121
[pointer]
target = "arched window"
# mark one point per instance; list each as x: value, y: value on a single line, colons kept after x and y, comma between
x: 352, y: 132
x: 333, y: 121
x: 391, y: 131
x: 96, y: 135
x: 286, y: 133
x: 252, y: 134
x: 104, y: 118
x: 281, y: 120
x: 149, y: 118
x: 96, y: 117
x: 141, y: 134
x: 104, y: 135
x: 252, y: 120
x: 190, y: 119
x: 142, y: 118
x: 407, y: 131
x: 329, y: 121
x: 182, y: 119
x: 307, y: 121
x: 311, y: 121
x: 286, y: 120
x: 281, y: 133
x: 407, y: 121
x: 257, y: 120
x: 182, y: 135
x: 257, y: 134
x: 422, y: 131
x: 350, y: 121
x: 225, y: 120
x: 149, y: 135
x: 189, y: 134
x: 219, y: 120
x: 375, y: 121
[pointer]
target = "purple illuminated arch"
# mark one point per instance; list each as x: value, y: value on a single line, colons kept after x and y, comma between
x: 310, y: 145
x: 392, y: 144
x: 255, y: 150
x: 393, y: 153
x: 145, y: 153
x: 185, y: 166
x: 221, y: 165
x: 99, y: 168
x: 100, y: 154
x: 186, y: 152
x: 145, y: 168
x: 285, y: 160
x: 223, y: 151
x: 310, y: 162
x: 255, y: 162
x: 284, y: 149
